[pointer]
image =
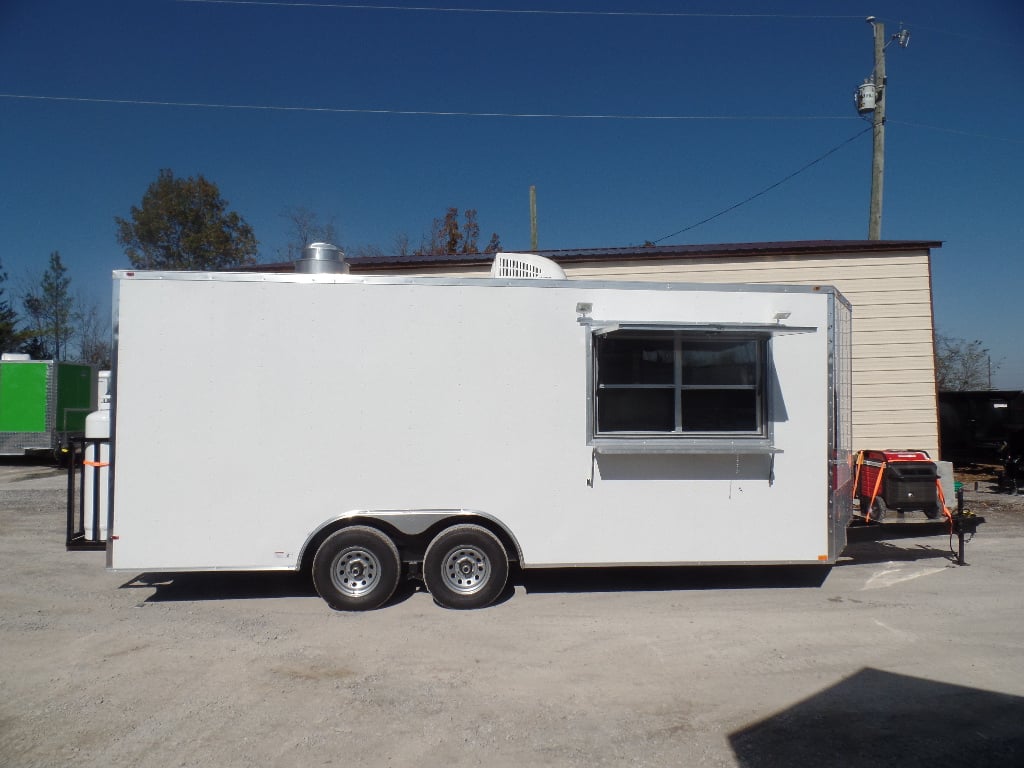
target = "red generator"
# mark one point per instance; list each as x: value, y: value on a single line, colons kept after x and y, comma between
x: 909, y: 481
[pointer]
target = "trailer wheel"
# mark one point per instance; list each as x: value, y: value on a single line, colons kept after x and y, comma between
x: 877, y: 511
x: 465, y: 567
x: 356, y: 569
x: 933, y: 512
x: 880, y: 510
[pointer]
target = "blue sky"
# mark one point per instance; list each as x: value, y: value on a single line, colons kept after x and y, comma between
x: 74, y: 160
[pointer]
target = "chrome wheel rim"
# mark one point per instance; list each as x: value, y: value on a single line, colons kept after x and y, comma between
x: 355, y: 571
x: 466, y: 570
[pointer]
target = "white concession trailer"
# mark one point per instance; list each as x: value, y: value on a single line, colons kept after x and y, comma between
x: 374, y: 428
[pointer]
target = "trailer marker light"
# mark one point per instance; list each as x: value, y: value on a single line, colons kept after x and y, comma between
x: 823, y: 557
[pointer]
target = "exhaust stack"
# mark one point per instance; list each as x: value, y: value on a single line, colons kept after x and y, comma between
x: 320, y: 259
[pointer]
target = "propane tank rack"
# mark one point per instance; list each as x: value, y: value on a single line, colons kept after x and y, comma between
x: 86, y: 524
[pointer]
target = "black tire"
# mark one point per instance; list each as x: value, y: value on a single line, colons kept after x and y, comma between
x: 465, y: 567
x: 935, y: 512
x: 879, y: 510
x: 356, y: 569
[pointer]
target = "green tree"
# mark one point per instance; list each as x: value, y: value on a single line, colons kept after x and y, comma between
x: 10, y: 339
x: 50, y: 312
x: 185, y: 224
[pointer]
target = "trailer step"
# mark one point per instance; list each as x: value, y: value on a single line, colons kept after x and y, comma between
x: 78, y: 543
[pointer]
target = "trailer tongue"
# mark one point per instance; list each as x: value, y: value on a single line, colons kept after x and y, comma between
x: 960, y: 524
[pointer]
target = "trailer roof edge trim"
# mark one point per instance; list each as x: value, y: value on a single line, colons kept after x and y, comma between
x: 297, y: 277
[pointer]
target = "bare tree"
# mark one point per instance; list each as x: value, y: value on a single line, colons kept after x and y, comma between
x: 962, y: 365
x: 402, y: 245
x: 9, y: 336
x: 49, y: 310
x: 305, y: 228
x: 93, y: 333
x: 365, y: 251
x: 448, y: 237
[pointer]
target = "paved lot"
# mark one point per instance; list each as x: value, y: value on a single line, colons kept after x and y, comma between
x: 896, y: 657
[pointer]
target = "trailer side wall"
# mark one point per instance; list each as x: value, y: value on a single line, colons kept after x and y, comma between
x: 296, y: 401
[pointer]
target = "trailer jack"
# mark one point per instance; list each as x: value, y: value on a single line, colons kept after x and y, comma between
x: 962, y: 524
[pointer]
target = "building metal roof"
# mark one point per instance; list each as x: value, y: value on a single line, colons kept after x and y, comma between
x: 634, y: 252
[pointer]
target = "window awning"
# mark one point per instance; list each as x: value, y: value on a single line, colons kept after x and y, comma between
x: 603, y: 327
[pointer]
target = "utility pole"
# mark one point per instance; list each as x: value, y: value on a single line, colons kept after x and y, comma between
x: 870, y: 97
x: 878, y: 134
x: 533, y: 218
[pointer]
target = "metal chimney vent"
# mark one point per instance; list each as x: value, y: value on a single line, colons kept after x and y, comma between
x: 321, y: 259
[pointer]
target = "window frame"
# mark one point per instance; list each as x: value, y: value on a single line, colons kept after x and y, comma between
x: 759, y: 440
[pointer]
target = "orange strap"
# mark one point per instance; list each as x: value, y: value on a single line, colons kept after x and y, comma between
x: 878, y: 484
x: 856, y: 477
x: 96, y: 463
x: 942, y: 501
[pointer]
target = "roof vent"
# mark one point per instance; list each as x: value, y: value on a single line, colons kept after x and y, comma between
x: 525, y: 266
x: 321, y: 259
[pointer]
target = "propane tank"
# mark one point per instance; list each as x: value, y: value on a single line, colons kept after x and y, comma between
x: 96, y: 461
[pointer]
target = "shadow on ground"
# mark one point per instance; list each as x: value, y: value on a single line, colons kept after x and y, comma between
x: 876, y: 718
x: 190, y: 587
x: 864, y: 553
x: 221, y: 585
x: 224, y: 585
x: 666, y: 579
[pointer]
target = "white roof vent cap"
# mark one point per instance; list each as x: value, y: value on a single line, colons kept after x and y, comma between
x: 526, y: 266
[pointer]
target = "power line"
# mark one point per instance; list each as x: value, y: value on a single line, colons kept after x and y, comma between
x: 413, y: 112
x: 766, y: 189
x: 954, y: 130
x: 519, y: 11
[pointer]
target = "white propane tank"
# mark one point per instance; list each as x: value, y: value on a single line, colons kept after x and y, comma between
x: 97, y: 463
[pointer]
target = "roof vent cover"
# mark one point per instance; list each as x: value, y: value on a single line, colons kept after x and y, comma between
x: 528, y: 266
x: 322, y: 258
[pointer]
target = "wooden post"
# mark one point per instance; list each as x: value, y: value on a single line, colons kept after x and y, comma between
x: 533, y: 218
x: 878, y: 152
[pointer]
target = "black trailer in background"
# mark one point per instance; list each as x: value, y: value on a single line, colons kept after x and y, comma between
x: 975, y: 425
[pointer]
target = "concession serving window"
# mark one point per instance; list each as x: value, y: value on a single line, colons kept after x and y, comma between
x: 657, y: 388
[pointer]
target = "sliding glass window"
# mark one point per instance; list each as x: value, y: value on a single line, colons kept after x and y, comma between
x: 679, y: 383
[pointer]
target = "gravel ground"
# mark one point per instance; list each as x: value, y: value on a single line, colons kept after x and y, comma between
x: 894, y: 657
